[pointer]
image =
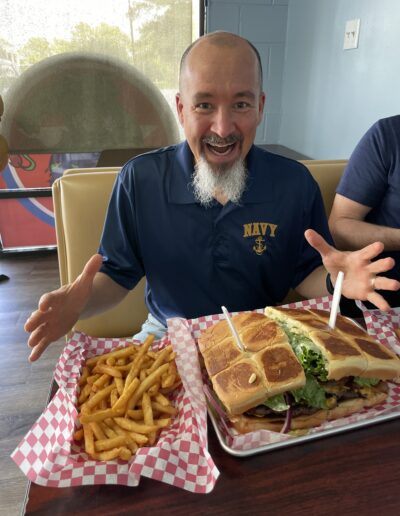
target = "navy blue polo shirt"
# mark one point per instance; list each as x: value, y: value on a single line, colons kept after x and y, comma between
x: 195, y: 259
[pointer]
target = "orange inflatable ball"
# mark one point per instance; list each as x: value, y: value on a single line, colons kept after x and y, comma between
x: 3, y: 152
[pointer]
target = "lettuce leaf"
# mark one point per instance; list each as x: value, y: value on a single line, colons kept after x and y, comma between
x: 365, y: 382
x: 311, y: 395
x: 312, y: 361
x: 277, y: 403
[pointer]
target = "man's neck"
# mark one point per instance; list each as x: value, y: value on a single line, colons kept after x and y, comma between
x: 220, y: 197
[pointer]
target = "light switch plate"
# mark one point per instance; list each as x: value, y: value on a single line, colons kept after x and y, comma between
x: 351, y: 33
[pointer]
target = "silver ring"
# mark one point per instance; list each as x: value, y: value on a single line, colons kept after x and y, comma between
x: 373, y: 283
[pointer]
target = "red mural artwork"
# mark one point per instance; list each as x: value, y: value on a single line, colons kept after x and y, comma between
x: 29, y: 222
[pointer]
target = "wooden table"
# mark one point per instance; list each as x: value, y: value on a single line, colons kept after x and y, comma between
x: 356, y: 472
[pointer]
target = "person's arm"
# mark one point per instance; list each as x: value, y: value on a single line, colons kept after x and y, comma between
x: 350, y: 231
x: 360, y: 272
x: 90, y: 294
x: 314, y: 285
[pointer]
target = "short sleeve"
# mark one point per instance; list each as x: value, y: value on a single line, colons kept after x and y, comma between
x: 119, y: 242
x: 314, y: 218
x: 365, y: 178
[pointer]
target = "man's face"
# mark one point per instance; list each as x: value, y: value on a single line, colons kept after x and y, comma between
x: 220, y: 104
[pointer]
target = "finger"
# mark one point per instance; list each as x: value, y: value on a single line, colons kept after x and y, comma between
x: 91, y: 268
x: 37, y: 335
x: 38, y: 350
x: 377, y: 300
x: 382, y: 283
x: 34, y: 320
x: 317, y: 242
x: 382, y: 265
x: 371, y: 251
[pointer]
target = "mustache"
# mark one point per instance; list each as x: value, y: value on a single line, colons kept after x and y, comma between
x: 216, y: 140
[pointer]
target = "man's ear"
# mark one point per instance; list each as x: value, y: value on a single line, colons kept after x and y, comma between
x: 261, y: 106
x: 179, y: 107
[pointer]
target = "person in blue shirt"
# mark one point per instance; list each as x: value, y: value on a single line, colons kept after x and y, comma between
x: 214, y: 220
x: 367, y: 203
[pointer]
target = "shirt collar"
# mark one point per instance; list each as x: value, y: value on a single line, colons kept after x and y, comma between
x: 259, y: 187
x: 180, y: 190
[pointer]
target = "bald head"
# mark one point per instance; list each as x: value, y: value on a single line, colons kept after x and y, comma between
x: 223, y: 40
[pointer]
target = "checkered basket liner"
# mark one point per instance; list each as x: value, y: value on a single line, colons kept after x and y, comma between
x: 48, y: 455
x: 383, y: 325
x: 256, y: 439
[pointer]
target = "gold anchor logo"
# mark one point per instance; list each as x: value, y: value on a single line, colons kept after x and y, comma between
x: 259, y: 246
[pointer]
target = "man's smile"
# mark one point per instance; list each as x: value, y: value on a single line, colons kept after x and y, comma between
x: 221, y: 149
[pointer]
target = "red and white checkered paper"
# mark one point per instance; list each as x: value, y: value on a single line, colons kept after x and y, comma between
x: 382, y: 326
x: 189, y: 331
x: 48, y: 455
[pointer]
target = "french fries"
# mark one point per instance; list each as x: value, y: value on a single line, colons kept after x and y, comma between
x: 123, y: 400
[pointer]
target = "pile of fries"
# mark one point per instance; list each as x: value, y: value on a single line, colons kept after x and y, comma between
x: 123, y: 401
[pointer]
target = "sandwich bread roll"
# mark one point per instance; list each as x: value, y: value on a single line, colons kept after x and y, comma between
x: 268, y: 365
x: 294, y: 368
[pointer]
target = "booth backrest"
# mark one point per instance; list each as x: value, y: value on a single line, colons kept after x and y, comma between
x: 87, y: 170
x: 327, y: 173
x: 80, y: 204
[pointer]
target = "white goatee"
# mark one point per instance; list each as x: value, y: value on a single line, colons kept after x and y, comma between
x: 209, y: 179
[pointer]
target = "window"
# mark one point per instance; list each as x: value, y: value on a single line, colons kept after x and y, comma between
x: 80, y: 77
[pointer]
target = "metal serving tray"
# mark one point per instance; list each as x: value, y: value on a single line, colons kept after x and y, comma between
x: 387, y: 416
x: 395, y: 413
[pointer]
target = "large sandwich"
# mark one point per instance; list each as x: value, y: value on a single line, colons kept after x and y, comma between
x: 295, y: 372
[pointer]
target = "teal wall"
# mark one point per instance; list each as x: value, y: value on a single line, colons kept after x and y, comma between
x: 330, y: 95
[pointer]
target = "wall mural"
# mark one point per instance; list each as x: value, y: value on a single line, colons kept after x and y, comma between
x: 26, y: 222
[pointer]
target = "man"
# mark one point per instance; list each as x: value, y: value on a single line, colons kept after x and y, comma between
x: 214, y: 220
x: 367, y: 203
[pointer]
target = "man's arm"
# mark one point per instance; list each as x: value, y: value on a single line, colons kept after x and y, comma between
x: 314, y: 285
x: 350, y: 231
x: 90, y: 294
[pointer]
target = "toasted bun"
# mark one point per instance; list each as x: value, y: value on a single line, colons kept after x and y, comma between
x: 348, y: 349
x: 382, y: 362
x: 267, y: 366
x: 221, y: 356
x: 300, y: 320
x: 244, y: 424
x: 280, y: 368
x: 253, y: 378
x: 215, y: 333
x: 342, y: 357
x: 240, y: 386
x: 261, y: 335
x: 220, y: 331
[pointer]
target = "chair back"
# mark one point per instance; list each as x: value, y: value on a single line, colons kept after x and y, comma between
x: 80, y: 204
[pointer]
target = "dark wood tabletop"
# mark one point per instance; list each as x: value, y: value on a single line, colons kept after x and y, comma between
x: 354, y: 472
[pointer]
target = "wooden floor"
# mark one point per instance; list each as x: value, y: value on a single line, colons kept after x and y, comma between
x: 24, y: 387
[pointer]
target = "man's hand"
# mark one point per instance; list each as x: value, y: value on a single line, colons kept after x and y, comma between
x: 58, y: 311
x: 360, y: 273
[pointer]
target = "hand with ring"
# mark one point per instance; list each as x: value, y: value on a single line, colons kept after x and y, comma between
x: 360, y: 271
